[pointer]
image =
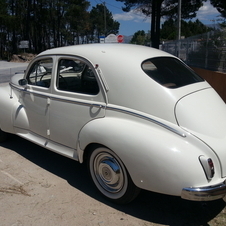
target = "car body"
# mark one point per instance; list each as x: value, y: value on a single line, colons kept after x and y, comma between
x: 139, y: 116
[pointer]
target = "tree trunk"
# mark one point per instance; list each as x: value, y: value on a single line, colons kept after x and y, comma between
x: 155, y: 23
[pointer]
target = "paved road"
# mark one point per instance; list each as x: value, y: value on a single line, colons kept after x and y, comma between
x: 7, y: 69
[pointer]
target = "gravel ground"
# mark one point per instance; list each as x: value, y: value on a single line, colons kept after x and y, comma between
x: 39, y: 187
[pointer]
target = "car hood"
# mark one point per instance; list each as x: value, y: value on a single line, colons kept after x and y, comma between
x: 203, y: 114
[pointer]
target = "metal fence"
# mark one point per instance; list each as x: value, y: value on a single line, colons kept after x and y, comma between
x: 206, y: 51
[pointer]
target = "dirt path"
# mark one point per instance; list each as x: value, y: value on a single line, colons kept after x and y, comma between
x: 38, y: 187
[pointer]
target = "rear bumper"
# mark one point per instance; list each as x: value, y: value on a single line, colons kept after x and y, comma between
x: 204, y: 193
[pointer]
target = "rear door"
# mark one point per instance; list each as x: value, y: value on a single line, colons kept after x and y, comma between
x: 77, y: 98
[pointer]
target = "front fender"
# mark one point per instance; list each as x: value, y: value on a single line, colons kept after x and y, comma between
x: 12, y: 113
x: 6, y: 106
x: 156, y: 158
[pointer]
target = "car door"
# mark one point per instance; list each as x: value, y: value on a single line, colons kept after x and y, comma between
x: 35, y: 98
x: 76, y: 99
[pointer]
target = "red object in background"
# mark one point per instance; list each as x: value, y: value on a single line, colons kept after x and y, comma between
x: 120, y: 38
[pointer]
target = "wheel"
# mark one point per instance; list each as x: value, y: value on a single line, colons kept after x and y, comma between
x: 3, y: 136
x: 110, y: 176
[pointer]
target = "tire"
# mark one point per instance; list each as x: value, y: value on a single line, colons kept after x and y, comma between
x: 3, y: 136
x: 111, y: 177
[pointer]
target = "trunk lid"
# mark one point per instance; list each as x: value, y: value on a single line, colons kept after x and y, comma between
x: 203, y: 114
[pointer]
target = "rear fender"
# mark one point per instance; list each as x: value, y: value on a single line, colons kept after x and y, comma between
x: 156, y: 158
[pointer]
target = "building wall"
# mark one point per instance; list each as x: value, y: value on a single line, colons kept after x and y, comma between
x: 216, y: 79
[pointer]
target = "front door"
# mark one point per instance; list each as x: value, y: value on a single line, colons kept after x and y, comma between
x: 35, y: 98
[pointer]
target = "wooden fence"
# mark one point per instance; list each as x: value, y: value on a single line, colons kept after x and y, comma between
x: 216, y: 79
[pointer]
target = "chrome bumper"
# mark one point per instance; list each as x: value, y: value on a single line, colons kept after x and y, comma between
x: 204, y: 193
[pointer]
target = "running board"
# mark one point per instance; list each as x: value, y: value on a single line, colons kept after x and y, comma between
x: 48, y: 144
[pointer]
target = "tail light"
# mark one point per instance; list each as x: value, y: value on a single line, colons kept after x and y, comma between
x: 208, y: 166
x: 211, y: 167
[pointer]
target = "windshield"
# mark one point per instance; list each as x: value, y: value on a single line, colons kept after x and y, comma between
x: 170, y: 72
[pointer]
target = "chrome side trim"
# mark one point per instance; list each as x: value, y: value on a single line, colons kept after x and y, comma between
x: 15, y: 86
x: 148, y: 119
x: 28, y: 91
x: 75, y: 102
x: 58, y: 98
x: 208, y: 193
x: 107, y: 108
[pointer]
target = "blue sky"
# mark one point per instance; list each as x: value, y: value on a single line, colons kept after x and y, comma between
x: 133, y: 21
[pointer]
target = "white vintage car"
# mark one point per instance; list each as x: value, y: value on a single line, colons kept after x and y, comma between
x: 140, y: 117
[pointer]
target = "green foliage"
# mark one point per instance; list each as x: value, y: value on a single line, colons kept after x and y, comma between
x: 169, y: 28
x: 220, y: 5
x: 102, y: 21
x: 168, y: 31
x: 51, y: 23
x: 162, y: 8
x: 139, y: 38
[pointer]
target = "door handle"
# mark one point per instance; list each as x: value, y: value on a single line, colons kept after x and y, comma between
x: 97, y: 105
x: 48, y: 101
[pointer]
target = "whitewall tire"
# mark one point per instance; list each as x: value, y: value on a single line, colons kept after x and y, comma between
x: 110, y: 176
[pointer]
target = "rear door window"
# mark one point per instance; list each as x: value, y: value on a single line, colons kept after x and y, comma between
x: 74, y: 75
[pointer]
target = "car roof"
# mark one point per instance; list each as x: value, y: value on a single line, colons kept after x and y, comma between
x: 113, y: 50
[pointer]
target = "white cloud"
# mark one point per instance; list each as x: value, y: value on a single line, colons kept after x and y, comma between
x: 133, y: 16
x: 133, y: 21
x: 207, y: 13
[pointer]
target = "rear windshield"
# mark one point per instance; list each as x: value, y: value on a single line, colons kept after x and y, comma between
x: 170, y: 72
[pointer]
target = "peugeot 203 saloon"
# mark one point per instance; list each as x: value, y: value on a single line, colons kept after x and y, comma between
x: 138, y: 116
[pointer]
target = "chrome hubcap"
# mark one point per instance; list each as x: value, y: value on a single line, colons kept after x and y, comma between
x: 108, y: 172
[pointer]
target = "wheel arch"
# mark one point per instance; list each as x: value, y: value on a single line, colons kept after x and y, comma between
x: 88, y: 149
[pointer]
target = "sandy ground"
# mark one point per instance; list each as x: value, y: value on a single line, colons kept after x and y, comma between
x: 39, y: 187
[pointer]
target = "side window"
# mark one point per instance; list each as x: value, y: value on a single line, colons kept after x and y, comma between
x: 40, y: 73
x: 76, y: 76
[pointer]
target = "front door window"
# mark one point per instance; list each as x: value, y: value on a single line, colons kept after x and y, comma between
x: 40, y: 73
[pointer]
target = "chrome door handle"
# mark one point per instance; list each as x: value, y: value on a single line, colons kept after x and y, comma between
x: 97, y: 105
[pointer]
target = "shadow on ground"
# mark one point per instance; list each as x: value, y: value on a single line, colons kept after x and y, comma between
x: 152, y: 207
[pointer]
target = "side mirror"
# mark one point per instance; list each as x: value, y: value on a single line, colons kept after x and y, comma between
x: 22, y: 82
